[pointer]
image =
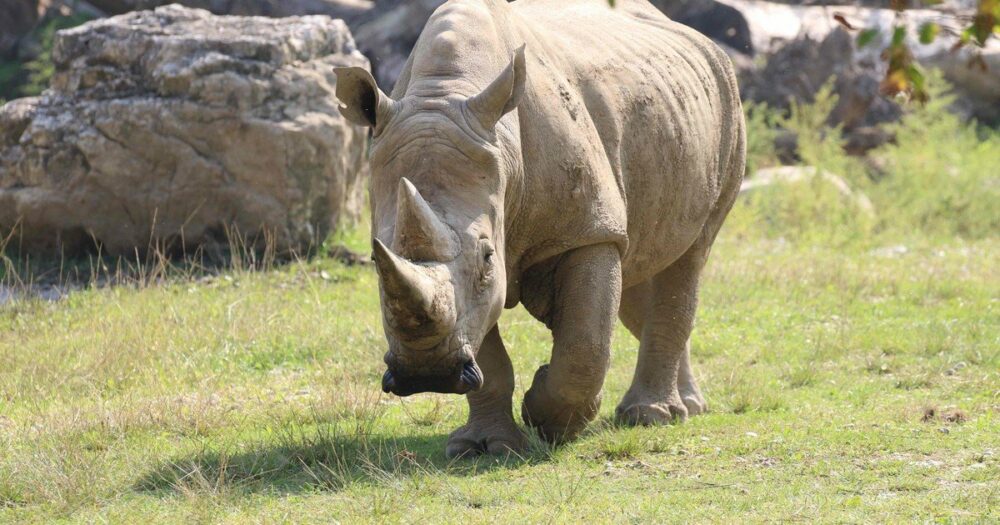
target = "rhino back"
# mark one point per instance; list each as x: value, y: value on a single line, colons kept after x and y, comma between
x: 631, y: 130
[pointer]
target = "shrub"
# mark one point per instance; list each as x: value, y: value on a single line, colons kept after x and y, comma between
x: 942, y: 176
x: 762, y: 123
x: 813, y: 210
x: 938, y: 178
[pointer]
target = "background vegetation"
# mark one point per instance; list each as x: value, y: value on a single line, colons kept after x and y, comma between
x: 938, y: 179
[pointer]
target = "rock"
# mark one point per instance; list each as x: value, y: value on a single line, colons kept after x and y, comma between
x: 863, y: 139
x: 722, y: 23
x: 178, y: 127
x: 385, y: 30
x: 14, y: 117
x: 345, y: 9
x: 796, y: 71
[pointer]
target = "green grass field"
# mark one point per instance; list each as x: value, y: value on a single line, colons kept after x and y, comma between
x: 851, y: 365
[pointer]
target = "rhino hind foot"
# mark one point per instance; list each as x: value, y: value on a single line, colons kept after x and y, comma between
x: 474, y: 439
x: 635, y: 410
x: 648, y: 414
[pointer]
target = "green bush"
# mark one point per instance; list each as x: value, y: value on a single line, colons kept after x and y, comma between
x: 812, y: 210
x: 942, y: 176
x: 938, y: 178
x: 762, y: 130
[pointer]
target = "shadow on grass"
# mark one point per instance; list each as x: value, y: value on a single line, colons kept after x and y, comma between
x: 324, y: 460
x: 77, y: 259
x: 51, y: 278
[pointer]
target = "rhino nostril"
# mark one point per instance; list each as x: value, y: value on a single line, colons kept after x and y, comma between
x: 388, y: 382
x: 472, y: 375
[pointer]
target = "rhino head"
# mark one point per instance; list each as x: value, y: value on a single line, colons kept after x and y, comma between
x: 439, y: 177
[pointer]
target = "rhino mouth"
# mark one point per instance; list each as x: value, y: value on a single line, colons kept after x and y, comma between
x: 466, y: 378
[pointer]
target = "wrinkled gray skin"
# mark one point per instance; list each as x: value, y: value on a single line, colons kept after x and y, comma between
x: 575, y: 158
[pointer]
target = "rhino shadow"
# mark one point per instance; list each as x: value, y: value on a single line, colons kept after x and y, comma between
x: 323, y: 462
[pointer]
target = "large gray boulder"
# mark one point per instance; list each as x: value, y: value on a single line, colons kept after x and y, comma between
x: 179, y: 127
x: 273, y: 8
x: 385, y: 30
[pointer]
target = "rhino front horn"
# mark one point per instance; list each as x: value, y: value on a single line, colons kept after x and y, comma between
x: 419, y: 232
x: 419, y: 302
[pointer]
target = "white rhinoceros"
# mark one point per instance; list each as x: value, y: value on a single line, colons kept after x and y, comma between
x: 570, y: 156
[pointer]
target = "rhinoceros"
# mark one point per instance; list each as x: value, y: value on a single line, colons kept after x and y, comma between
x: 573, y: 157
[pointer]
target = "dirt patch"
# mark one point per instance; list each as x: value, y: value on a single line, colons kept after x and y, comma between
x: 953, y: 415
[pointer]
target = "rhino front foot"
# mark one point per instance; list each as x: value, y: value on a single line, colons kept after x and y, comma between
x: 556, y: 420
x: 481, y: 437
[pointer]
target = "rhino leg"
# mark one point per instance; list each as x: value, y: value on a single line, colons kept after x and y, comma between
x: 491, y: 428
x: 688, y: 386
x: 566, y: 394
x: 660, y: 313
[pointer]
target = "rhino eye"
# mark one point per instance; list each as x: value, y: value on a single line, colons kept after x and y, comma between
x: 485, y: 248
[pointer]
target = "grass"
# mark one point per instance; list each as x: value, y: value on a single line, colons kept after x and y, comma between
x: 852, y: 370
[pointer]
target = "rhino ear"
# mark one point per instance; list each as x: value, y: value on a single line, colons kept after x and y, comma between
x: 364, y: 103
x: 503, y: 94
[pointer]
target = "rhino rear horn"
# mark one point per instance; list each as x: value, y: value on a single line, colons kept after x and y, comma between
x: 502, y: 95
x: 420, y: 234
x: 419, y: 306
